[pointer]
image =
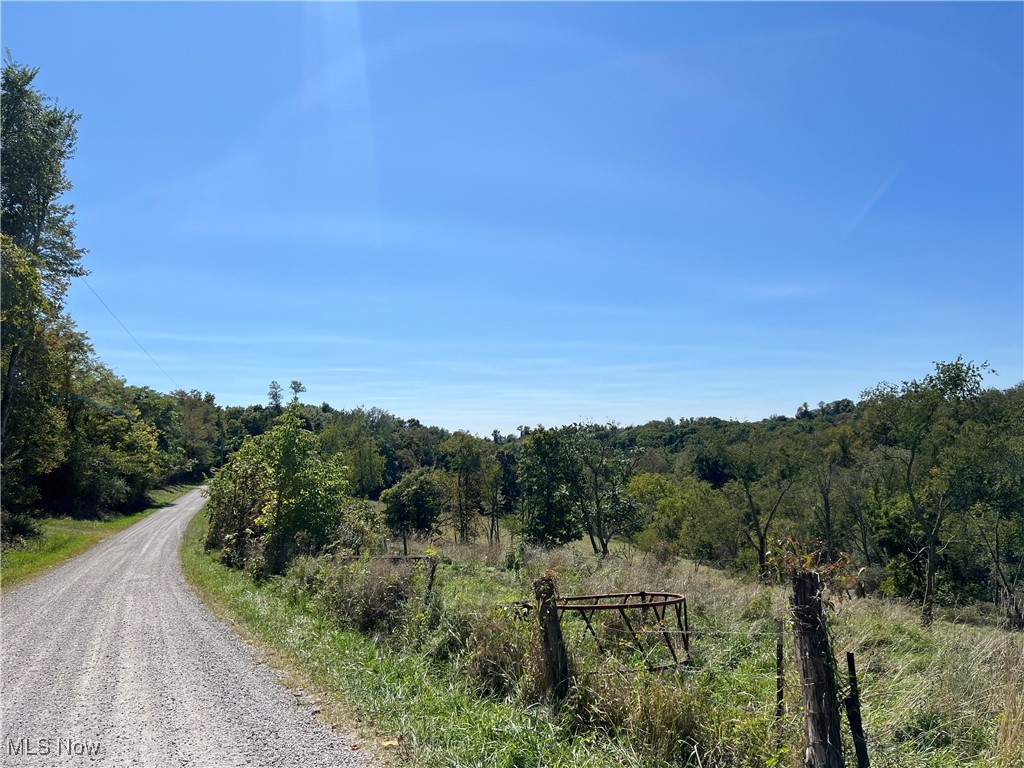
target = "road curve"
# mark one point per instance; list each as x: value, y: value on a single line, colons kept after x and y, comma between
x: 110, y: 660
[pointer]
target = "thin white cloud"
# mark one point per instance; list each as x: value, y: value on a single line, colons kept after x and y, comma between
x: 872, y: 202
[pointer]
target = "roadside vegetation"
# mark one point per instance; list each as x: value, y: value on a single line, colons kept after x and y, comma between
x: 916, y: 488
x: 459, y: 681
x: 62, y: 538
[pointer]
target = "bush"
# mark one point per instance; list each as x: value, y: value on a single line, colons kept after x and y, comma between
x: 667, y: 719
x: 273, y: 489
x: 361, y: 530
x: 370, y: 596
x: 503, y: 654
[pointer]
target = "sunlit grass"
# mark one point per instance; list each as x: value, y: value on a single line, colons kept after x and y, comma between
x: 462, y: 691
x: 429, y: 715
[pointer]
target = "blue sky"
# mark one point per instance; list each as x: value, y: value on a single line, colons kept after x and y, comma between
x: 487, y: 215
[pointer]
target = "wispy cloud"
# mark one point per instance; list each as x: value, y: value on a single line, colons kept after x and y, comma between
x: 871, y: 203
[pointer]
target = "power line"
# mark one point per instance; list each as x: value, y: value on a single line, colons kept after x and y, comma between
x: 165, y: 373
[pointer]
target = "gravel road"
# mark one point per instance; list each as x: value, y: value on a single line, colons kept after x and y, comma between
x: 111, y: 654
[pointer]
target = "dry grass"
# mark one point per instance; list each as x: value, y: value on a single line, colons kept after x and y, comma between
x: 1010, y: 741
x: 952, y: 695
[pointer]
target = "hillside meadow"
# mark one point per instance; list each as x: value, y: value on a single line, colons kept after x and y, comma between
x: 458, y: 680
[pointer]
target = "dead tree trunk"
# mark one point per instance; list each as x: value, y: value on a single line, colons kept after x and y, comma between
x: 822, y: 743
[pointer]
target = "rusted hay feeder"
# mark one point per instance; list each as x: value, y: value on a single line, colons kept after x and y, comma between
x: 666, y: 608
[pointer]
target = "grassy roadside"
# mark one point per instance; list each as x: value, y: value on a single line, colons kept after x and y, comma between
x: 932, y: 698
x: 421, y: 715
x: 63, y: 537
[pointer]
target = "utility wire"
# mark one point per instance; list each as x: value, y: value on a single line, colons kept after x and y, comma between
x: 165, y: 373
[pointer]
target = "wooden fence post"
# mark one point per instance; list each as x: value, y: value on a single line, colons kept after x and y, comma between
x: 556, y: 659
x: 431, y: 572
x: 852, y: 703
x: 822, y: 743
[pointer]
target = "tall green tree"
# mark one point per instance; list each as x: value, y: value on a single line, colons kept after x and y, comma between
x: 688, y: 515
x: 463, y: 454
x: 275, y: 493
x: 40, y: 254
x: 766, y: 466
x: 414, y: 505
x: 351, y: 438
x: 548, y: 473
x: 275, y: 397
x: 914, y: 425
x: 491, y: 491
x: 39, y: 139
x: 984, y: 471
x: 203, y: 430
x: 601, y: 486
x: 829, y: 454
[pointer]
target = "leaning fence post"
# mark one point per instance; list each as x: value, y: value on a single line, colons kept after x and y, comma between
x: 556, y: 659
x: 852, y: 703
x: 822, y: 743
x: 431, y: 572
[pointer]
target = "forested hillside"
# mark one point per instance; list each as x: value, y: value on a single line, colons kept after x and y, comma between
x: 919, y: 483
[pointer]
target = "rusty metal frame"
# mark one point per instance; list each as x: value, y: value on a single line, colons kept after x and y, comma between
x: 658, y: 603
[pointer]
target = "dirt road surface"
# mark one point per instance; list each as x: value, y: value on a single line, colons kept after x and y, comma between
x: 110, y: 660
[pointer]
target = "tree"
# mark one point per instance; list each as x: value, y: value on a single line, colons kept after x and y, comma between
x: 547, y: 472
x: 112, y: 458
x: 161, y: 412
x: 276, y: 489
x: 606, y: 507
x: 27, y: 359
x: 464, y: 457
x: 830, y: 453
x: 38, y: 140
x: 204, y: 430
x: 914, y: 424
x: 275, y: 398
x: 688, y: 515
x: 414, y: 505
x: 984, y: 471
x: 351, y: 438
x: 765, y: 467
x: 40, y: 255
x: 491, y: 486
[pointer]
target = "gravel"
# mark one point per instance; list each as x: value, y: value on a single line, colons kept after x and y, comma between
x: 110, y: 660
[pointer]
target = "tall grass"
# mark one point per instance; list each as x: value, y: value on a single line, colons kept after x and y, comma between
x: 458, y: 680
x: 1010, y: 741
x: 421, y: 701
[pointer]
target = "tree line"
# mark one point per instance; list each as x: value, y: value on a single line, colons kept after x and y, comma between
x: 921, y: 484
